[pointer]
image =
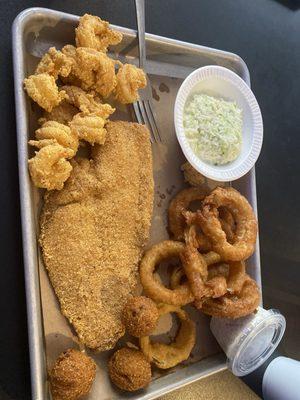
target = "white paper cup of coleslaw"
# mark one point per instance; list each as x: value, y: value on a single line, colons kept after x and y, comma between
x: 222, y: 83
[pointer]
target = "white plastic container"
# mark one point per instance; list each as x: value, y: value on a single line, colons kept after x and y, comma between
x: 222, y: 83
x: 249, y: 341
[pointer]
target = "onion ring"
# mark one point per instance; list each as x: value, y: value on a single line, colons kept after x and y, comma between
x: 236, y: 277
x: 218, y: 269
x: 227, y: 223
x: 246, y: 229
x: 166, y: 356
x: 195, y: 268
x: 234, y: 305
x: 178, y: 273
x: 214, y: 270
x: 155, y: 289
x: 178, y: 206
x: 176, y: 277
x: 177, y: 224
x: 232, y: 273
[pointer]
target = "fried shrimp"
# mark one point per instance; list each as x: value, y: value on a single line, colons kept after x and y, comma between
x: 92, y: 69
x: 140, y: 316
x: 61, y: 133
x: 63, y: 113
x: 95, y: 33
x: 49, y: 168
x: 72, y: 375
x: 104, y: 78
x: 129, y: 80
x: 86, y: 102
x: 44, y: 91
x: 166, y: 356
x: 246, y: 224
x: 129, y: 369
x: 89, y: 128
x: 55, y: 63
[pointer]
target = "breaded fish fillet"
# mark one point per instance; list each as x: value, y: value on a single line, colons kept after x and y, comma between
x: 93, y: 232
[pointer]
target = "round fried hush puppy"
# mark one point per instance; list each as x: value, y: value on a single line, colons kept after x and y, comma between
x: 191, y: 175
x: 140, y: 316
x: 129, y: 369
x: 72, y: 375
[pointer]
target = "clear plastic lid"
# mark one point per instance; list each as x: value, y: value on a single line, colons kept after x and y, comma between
x: 248, y: 342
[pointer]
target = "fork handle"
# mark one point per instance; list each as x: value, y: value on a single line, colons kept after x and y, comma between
x: 140, y: 20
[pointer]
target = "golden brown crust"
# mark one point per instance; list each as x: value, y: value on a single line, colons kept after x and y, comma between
x: 235, y: 305
x: 95, y: 33
x: 94, y: 230
x: 129, y: 369
x: 89, y: 128
x: 87, y: 102
x: 49, y: 168
x: 59, y: 132
x: 129, y: 80
x: 55, y: 63
x: 63, y: 113
x: 191, y: 175
x: 43, y: 90
x: 246, y: 224
x: 91, y: 69
x: 195, y: 267
x: 166, y: 356
x: 152, y: 286
x: 140, y: 316
x: 72, y: 375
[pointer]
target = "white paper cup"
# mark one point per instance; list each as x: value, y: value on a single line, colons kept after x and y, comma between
x: 222, y: 83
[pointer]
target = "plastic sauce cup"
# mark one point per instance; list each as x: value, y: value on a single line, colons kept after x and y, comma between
x: 249, y: 341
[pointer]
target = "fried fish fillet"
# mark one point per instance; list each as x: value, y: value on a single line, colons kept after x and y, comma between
x: 93, y: 232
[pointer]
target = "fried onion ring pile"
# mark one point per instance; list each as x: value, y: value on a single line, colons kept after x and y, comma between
x: 212, y: 244
x: 166, y: 356
x: 181, y: 294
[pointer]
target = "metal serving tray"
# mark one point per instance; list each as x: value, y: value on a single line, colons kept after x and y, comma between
x: 169, y: 61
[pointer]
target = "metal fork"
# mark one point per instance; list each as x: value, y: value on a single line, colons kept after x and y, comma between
x: 143, y: 108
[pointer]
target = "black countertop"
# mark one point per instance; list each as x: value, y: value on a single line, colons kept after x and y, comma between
x: 265, y: 33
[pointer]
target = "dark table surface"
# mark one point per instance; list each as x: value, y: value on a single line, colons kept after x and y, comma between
x: 265, y: 33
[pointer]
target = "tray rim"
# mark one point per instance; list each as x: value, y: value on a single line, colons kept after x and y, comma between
x: 30, y: 246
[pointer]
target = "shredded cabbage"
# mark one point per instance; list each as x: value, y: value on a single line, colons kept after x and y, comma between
x: 213, y: 128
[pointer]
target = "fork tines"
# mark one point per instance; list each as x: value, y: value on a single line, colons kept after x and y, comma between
x: 144, y: 113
